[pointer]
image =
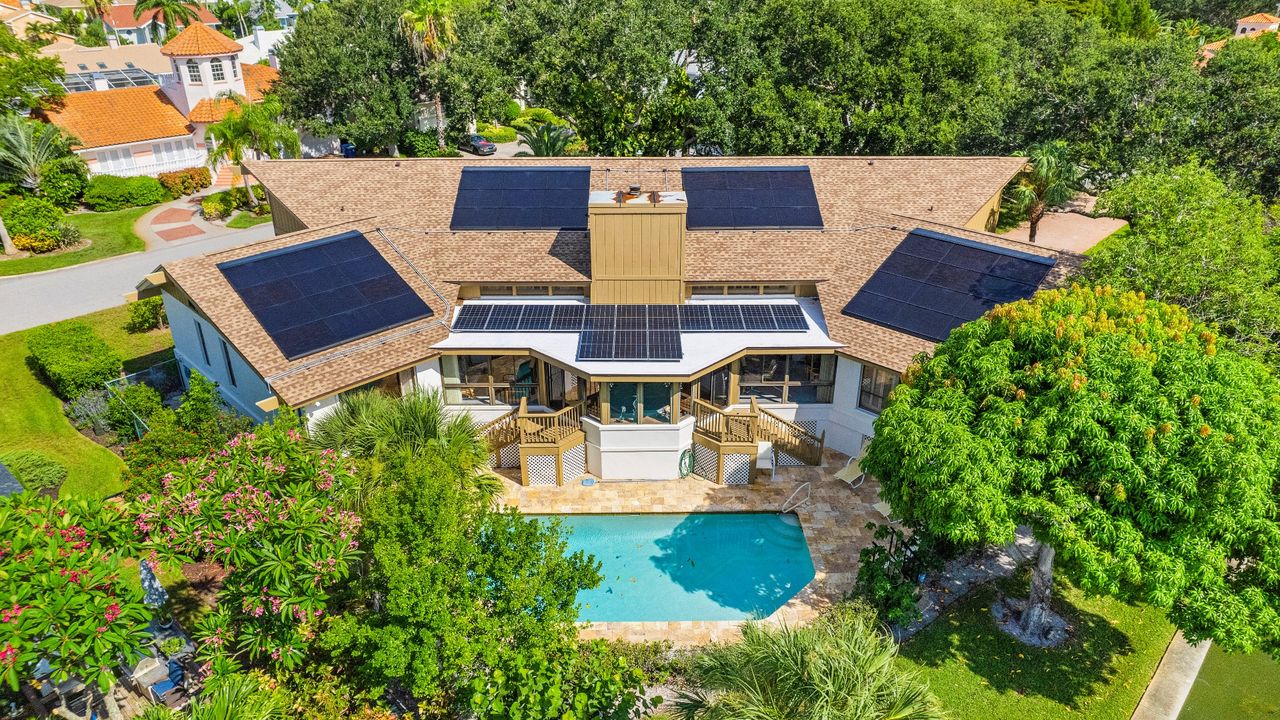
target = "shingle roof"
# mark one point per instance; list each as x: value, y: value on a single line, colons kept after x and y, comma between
x: 858, y: 196
x: 121, y: 16
x: 116, y: 117
x: 198, y: 39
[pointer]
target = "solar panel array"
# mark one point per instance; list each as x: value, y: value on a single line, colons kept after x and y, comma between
x: 522, y: 198
x: 630, y: 332
x: 932, y: 283
x: 321, y: 294
x: 750, y: 197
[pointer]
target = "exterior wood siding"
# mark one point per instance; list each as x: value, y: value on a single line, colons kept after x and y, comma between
x: 637, y: 254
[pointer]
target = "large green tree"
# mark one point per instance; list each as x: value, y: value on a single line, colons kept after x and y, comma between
x: 840, y: 666
x: 348, y: 70
x: 1051, y: 180
x: 27, y: 79
x: 453, y: 588
x: 1142, y: 453
x: 1195, y: 242
x: 1243, y: 112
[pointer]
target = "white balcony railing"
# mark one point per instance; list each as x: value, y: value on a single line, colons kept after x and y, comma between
x: 152, y: 169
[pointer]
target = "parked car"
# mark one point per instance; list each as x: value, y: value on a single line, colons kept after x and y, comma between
x: 478, y: 145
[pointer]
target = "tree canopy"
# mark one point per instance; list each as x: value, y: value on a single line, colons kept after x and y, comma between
x: 27, y: 79
x: 1136, y: 446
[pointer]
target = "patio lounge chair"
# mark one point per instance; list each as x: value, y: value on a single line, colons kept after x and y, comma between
x: 767, y: 458
x: 852, y: 473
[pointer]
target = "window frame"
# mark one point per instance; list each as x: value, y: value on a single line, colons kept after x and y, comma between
x: 226, y: 357
x: 204, y: 348
x: 870, y: 396
x: 193, y: 73
x: 216, y: 71
x: 639, y: 415
x: 495, y: 388
x: 824, y: 387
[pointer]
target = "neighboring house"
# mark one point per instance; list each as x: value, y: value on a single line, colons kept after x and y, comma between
x: 105, y: 68
x: 285, y: 14
x: 149, y: 27
x: 1246, y: 27
x: 261, y: 45
x: 619, y: 316
x: 153, y: 129
x: 20, y: 19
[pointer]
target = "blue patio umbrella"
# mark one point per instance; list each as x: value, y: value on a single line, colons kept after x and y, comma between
x: 153, y: 593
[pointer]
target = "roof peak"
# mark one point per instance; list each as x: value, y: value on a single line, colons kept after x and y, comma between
x: 198, y: 39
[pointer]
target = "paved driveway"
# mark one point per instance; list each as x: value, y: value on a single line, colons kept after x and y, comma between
x: 30, y: 300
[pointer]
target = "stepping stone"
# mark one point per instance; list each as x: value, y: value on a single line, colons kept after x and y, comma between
x: 180, y: 232
x: 172, y: 216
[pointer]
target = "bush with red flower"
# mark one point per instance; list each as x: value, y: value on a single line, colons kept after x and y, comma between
x: 268, y: 509
x: 65, y: 599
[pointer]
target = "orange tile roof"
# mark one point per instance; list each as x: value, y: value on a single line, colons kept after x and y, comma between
x: 121, y: 16
x: 11, y: 3
x: 197, y: 40
x: 257, y: 81
x: 1260, y: 18
x: 413, y: 199
x: 116, y: 117
x: 210, y: 111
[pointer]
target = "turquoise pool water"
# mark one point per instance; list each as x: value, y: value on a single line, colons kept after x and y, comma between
x: 702, y: 566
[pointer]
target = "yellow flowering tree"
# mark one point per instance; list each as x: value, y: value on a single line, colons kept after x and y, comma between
x: 1143, y: 456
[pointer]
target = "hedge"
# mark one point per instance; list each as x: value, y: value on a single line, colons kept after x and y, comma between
x: 36, y: 471
x: 64, y: 184
x: 71, y: 358
x: 496, y: 133
x: 184, y: 182
x: 36, y: 225
x: 220, y: 205
x: 140, y: 400
x: 108, y: 192
x: 424, y: 144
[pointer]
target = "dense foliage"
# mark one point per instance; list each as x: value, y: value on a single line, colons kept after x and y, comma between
x: 72, y: 358
x: 108, y: 192
x: 37, y: 225
x: 130, y: 407
x: 65, y: 598
x: 1195, y: 242
x: 185, y: 182
x: 27, y: 79
x: 267, y: 510
x: 1137, y: 448
x: 146, y: 314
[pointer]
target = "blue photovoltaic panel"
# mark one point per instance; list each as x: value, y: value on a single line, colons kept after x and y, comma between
x: 695, y: 318
x: 567, y: 318
x: 595, y: 345
x: 932, y: 283
x: 504, y: 318
x: 664, y: 317
x: 600, y: 317
x: 632, y: 317
x: 726, y: 318
x: 536, y: 317
x: 522, y: 198
x: 750, y: 197
x: 789, y: 317
x: 757, y: 317
x: 324, y: 293
x: 472, y: 317
x: 665, y: 345
x: 630, y: 345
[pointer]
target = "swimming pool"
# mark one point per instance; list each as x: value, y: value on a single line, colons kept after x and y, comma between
x: 701, y: 566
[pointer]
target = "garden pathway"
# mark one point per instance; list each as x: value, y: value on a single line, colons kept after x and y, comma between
x: 175, y: 221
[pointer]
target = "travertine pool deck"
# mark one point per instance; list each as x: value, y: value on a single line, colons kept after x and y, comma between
x: 834, y: 521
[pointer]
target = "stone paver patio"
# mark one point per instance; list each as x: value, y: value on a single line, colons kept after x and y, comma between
x: 834, y: 521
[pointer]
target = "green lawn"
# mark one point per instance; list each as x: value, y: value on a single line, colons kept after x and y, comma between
x: 979, y: 672
x: 31, y: 417
x: 1241, y: 687
x: 246, y: 219
x: 112, y: 234
x: 1110, y: 239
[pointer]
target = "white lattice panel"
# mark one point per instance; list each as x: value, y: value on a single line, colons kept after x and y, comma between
x: 704, y: 462
x: 510, y: 456
x: 542, y: 470
x: 574, y: 463
x: 810, y: 425
x: 785, y: 460
x: 737, y: 469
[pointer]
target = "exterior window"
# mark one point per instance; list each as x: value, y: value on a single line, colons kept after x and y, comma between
x: 575, y: 290
x: 235, y: 68
x: 532, y: 290
x: 877, y: 383
x: 193, y: 72
x: 118, y: 159
x: 215, y: 69
x: 204, y: 349
x: 489, y: 379
x: 388, y: 385
x: 491, y: 290
x: 226, y: 358
x: 778, y: 290
x: 650, y: 402
x: 708, y: 290
x: 802, y: 379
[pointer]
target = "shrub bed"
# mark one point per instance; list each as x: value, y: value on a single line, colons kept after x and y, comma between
x: 496, y: 133
x: 36, y: 225
x: 36, y: 471
x: 142, y: 401
x: 416, y: 143
x: 64, y: 184
x: 146, y: 314
x: 72, y: 358
x: 220, y: 205
x: 185, y: 182
x: 108, y: 192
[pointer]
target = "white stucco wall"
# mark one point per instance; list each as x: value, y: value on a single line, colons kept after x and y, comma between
x: 636, y: 452
x: 249, y: 387
x: 846, y: 424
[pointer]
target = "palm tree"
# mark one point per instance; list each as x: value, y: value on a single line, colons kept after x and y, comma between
x: 1051, y: 180
x: 29, y: 149
x: 430, y: 28
x: 250, y: 130
x: 232, y: 697
x: 840, y: 668
x: 375, y: 426
x: 545, y: 140
x: 172, y: 12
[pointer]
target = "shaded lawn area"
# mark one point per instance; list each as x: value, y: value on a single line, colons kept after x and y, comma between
x: 111, y: 232
x: 31, y: 417
x: 192, y: 588
x: 247, y: 219
x: 1241, y: 687
x: 1101, y: 672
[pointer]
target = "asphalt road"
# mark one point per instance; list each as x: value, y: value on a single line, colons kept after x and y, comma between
x: 30, y: 300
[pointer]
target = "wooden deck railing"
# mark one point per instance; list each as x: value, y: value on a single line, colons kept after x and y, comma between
x: 548, y: 428
x: 503, y: 431
x: 726, y: 426
x: 755, y: 424
x: 789, y: 437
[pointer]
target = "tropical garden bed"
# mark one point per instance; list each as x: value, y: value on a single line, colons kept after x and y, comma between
x: 103, y: 235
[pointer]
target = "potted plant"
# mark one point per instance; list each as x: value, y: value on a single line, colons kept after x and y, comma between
x: 171, y: 646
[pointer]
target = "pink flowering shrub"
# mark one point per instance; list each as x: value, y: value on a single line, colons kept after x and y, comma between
x: 63, y: 596
x: 266, y: 508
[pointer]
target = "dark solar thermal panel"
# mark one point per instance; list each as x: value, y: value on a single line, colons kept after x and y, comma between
x: 323, y: 293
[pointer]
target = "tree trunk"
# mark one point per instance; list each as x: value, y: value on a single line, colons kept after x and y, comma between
x: 9, y: 247
x: 1032, y: 622
x: 439, y: 120
x: 1035, y: 216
